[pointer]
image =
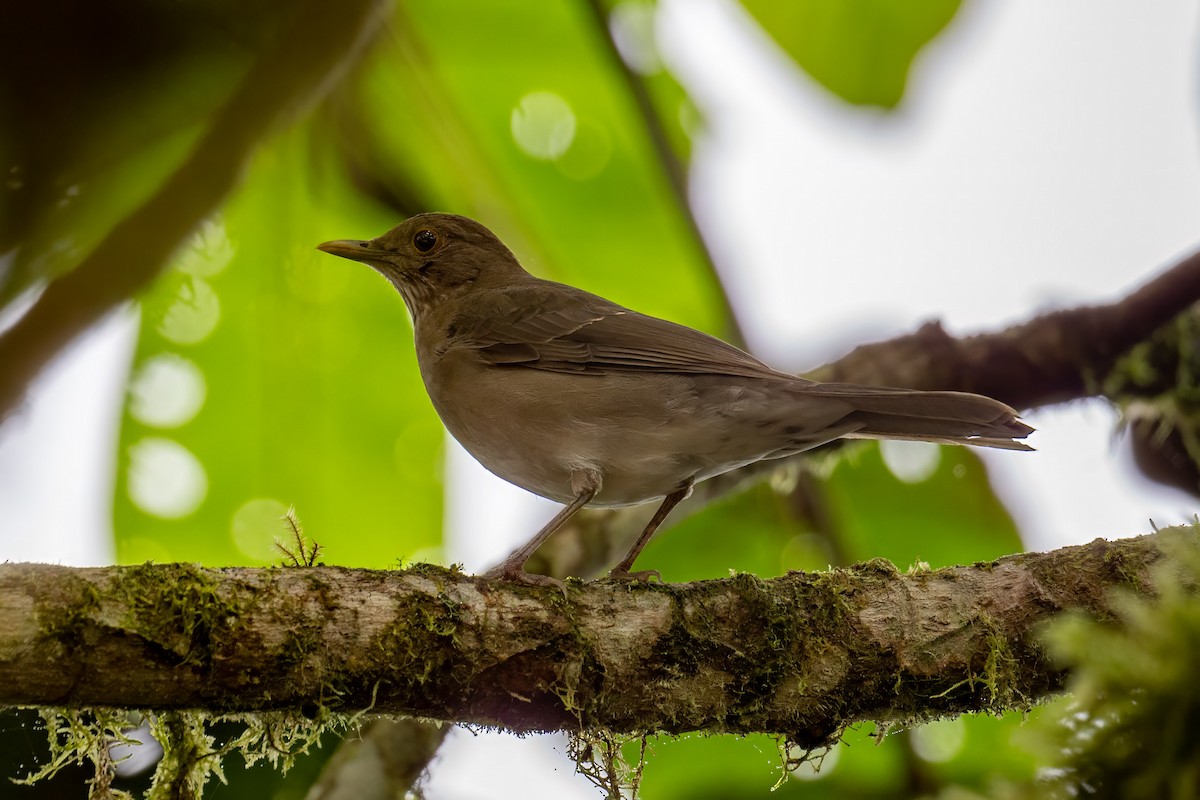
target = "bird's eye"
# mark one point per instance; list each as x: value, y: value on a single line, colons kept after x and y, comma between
x: 424, y: 240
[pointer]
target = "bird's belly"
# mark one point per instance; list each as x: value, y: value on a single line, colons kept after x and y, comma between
x: 543, y: 464
x: 535, y: 428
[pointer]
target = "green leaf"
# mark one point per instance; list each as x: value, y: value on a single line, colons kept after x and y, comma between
x: 752, y: 531
x: 117, y: 101
x: 269, y: 375
x: 861, y: 50
x: 519, y: 115
x: 948, y: 515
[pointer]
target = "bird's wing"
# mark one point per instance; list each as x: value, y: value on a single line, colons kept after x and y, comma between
x: 563, y: 329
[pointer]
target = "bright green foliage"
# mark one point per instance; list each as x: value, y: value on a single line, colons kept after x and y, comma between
x: 306, y: 385
x: 1131, y: 726
x: 861, y: 50
x: 749, y: 532
x: 949, y: 517
x: 518, y: 114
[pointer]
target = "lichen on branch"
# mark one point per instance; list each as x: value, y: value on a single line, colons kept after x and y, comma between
x: 801, y: 655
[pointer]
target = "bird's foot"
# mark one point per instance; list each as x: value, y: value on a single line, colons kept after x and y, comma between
x: 515, y: 574
x: 620, y: 573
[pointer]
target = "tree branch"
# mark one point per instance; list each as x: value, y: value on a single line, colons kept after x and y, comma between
x: 802, y: 654
x: 1055, y: 357
x: 673, y: 167
x: 385, y: 760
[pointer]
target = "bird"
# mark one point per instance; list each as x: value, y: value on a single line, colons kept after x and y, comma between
x: 588, y: 403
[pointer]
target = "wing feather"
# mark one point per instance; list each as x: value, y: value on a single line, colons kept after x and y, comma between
x: 569, y: 330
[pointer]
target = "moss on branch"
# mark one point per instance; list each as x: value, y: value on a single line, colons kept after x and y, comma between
x: 801, y: 655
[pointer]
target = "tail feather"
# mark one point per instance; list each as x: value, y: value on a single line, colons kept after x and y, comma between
x: 942, y: 417
x: 975, y: 441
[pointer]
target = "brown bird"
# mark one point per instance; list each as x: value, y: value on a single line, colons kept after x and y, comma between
x: 582, y: 401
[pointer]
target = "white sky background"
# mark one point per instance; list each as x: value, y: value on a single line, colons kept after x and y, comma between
x: 1046, y: 155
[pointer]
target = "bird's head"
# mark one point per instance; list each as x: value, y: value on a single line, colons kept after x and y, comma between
x: 432, y: 257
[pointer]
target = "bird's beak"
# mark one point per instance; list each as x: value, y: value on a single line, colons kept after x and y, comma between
x: 353, y: 249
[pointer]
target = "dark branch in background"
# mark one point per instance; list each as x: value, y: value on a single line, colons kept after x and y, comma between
x: 308, y: 56
x: 384, y: 760
x: 1055, y: 357
x: 1052, y: 358
x: 673, y: 167
x: 802, y: 655
x: 1156, y: 387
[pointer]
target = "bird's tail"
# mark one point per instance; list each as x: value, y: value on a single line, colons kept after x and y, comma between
x: 941, y: 417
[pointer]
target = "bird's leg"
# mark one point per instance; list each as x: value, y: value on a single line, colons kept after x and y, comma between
x: 621, y: 571
x: 585, y: 484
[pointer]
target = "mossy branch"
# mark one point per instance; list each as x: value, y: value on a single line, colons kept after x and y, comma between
x: 800, y: 655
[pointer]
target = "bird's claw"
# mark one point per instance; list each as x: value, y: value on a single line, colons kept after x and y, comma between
x: 641, y: 576
x: 518, y: 575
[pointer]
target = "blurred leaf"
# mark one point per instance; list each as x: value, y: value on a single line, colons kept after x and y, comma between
x: 709, y: 767
x: 861, y: 50
x: 268, y: 375
x: 946, y: 514
x: 992, y: 749
x: 982, y: 752
x: 1131, y: 728
x: 121, y: 90
x: 517, y: 114
x: 949, y: 517
x: 751, y: 531
x: 712, y: 767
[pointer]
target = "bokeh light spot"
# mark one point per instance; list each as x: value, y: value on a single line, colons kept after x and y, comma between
x: 166, y: 391
x: 209, y: 252
x: 940, y: 740
x: 911, y: 462
x: 165, y: 479
x: 543, y: 125
x: 193, y: 314
x: 632, y: 26
x: 255, y: 527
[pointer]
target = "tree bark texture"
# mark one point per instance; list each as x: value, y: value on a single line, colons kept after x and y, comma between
x: 801, y: 655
